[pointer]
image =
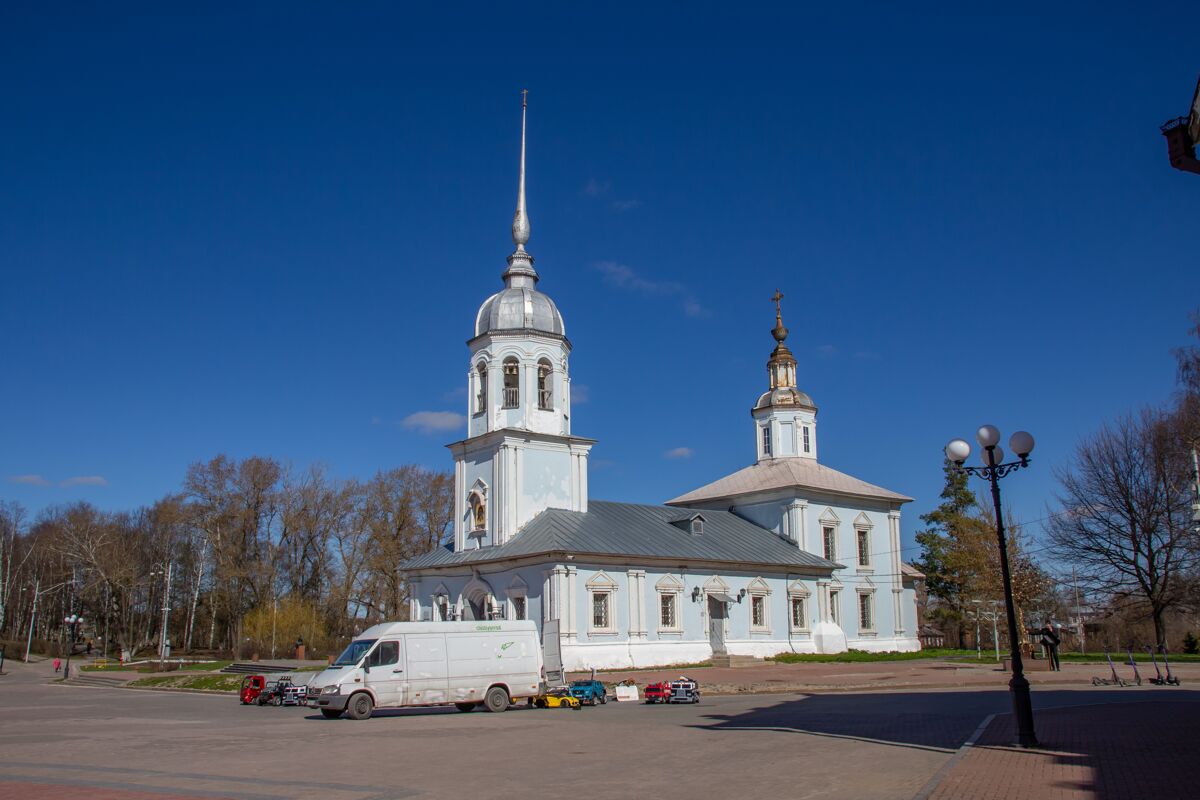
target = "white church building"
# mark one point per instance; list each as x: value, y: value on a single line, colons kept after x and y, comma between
x: 786, y: 555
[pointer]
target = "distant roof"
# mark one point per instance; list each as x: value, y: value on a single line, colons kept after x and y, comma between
x: 626, y: 529
x: 909, y: 571
x: 786, y: 473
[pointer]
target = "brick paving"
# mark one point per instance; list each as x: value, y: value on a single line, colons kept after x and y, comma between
x: 1143, y: 750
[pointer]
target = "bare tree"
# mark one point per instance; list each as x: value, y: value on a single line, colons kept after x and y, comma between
x: 1124, y: 521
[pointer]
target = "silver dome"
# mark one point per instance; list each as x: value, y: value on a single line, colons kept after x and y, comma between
x: 785, y: 396
x: 519, y: 308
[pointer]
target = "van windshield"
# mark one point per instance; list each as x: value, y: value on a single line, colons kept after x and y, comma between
x: 354, y: 653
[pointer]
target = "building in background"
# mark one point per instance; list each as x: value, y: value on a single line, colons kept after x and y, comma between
x: 784, y: 555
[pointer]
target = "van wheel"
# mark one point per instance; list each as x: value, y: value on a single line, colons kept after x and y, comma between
x: 465, y: 706
x: 360, y: 706
x: 496, y: 699
x: 330, y: 713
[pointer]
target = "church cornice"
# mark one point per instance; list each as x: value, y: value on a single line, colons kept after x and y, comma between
x: 515, y: 435
x: 519, y: 333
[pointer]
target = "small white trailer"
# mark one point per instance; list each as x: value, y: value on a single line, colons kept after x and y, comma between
x: 400, y: 664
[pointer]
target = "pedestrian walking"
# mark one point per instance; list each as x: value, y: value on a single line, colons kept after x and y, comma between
x: 1051, y: 640
x: 57, y: 664
x: 89, y: 647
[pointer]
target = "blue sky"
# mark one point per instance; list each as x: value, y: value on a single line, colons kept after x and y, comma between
x: 267, y: 231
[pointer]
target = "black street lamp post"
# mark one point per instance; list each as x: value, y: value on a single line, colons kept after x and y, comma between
x: 993, y: 470
x: 72, y: 621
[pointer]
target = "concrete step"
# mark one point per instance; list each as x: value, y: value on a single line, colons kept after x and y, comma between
x: 736, y: 661
x: 96, y: 679
x: 255, y: 668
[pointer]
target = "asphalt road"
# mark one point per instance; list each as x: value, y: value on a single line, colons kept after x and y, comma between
x: 58, y: 740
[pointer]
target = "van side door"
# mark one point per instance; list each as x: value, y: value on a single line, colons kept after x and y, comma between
x: 428, y: 681
x: 386, y: 675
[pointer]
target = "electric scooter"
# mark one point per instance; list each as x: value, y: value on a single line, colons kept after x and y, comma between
x: 1171, y: 679
x: 1116, y: 679
x: 1158, y: 679
x: 1137, y: 678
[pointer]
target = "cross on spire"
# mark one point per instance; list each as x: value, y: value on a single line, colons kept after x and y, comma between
x: 777, y: 297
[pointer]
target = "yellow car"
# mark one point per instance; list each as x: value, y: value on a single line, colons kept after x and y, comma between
x: 557, y: 698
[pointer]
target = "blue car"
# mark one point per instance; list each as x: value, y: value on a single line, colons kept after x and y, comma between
x: 590, y: 692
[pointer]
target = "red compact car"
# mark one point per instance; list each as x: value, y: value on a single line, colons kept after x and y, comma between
x: 658, y: 692
x: 252, y: 687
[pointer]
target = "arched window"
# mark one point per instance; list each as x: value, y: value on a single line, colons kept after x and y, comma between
x: 478, y: 512
x: 545, y: 385
x: 512, y: 383
x: 481, y: 396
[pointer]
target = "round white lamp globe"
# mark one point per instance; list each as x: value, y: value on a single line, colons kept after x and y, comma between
x: 988, y: 435
x: 1021, y: 443
x: 958, y: 450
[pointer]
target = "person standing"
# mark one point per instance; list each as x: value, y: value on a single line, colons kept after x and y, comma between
x: 1051, y: 640
x: 57, y: 664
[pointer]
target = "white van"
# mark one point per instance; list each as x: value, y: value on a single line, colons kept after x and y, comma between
x: 399, y: 664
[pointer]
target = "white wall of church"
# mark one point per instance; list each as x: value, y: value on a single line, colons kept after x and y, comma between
x: 636, y: 632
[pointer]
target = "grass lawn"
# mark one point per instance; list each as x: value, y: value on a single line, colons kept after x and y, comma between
x: 855, y: 656
x: 215, y: 682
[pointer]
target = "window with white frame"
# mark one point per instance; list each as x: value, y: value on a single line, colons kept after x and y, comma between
x: 766, y: 440
x: 760, y: 616
x: 758, y: 611
x: 864, y: 547
x: 668, y: 611
x: 866, y: 612
x: 601, y: 590
x: 518, y: 607
x: 829, y: 539
x: 798, y: 595
x: 670, y: 590
x: 601, y: 610
x: 807, y: 443
x: 798, y: 612
x: 834, y: 601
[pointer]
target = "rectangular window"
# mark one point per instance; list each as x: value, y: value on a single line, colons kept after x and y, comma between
x: 666, y: 610
x: 834, y: 615
x: 518, y: 606
x: 758, y: 611
x: 600, y: 610
x: 766, y: 440
x: 830, y: 537
x: 807, y: 446
x: 385, y: 654
x: 864, y: 548
x: 799, y: 613
x: 866, y: 614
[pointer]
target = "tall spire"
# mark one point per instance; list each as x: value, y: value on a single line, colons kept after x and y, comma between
x: 520, y: 226
x: 520, y: 272
x: 782, y: 365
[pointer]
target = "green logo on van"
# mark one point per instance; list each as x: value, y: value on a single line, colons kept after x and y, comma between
x: 507, y: 645
x: 487, y: 627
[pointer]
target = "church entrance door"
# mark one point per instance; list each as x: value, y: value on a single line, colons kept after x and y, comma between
x: 716, y: 625
x: 475, y: 608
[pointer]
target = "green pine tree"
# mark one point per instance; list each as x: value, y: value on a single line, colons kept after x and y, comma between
x: 958, y: 501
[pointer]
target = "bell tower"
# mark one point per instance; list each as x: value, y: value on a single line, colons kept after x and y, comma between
x: 520, y: 457
x: 785, y: 418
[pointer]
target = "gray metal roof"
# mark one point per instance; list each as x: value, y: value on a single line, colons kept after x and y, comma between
x: 793, y: 472
x: 627, y: 529
x: 519, y: 308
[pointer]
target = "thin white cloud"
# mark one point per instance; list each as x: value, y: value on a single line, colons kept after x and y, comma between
x: 85, y: 480
x: 625, y: 277
x: 595, y: 188
x: 626, y: 205
x: 433, y: 421
x: 826, y: 350
x: 29, y: 480
x: 679, y: 452
x: 580, y: 393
